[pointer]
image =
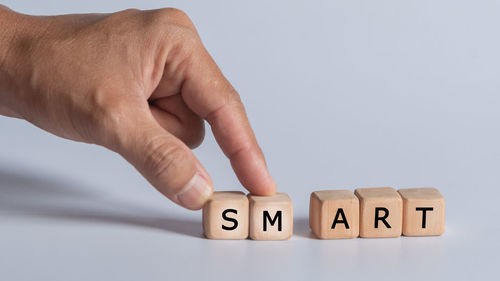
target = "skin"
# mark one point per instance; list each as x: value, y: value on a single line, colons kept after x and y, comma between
x: 139, y: 83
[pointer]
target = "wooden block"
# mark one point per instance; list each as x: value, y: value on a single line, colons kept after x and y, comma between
x: 271, y: 217
x: 381, y: 212
x: 225, y: 216
x: 334, y: 214
x: 423, y: 211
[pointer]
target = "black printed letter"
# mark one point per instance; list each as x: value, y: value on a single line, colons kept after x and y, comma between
x: 234, y: 221
x: 424, y: 213
x: 272, y: 221
x: 377, y: 217
x: 340, y: 212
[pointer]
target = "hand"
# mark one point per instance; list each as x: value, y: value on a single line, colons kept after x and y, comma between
x: 137, y: 82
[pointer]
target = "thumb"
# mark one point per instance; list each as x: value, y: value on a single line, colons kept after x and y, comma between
x: 166, y: 162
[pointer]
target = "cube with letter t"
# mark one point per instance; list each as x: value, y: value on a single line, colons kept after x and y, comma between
x: 271, y: 217
x: 423, y: 211
x: 225, y: 216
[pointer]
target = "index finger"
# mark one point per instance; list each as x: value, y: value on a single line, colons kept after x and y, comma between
x: 208, y: 93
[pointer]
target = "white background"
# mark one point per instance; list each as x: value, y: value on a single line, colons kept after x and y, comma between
x: 341, y: 94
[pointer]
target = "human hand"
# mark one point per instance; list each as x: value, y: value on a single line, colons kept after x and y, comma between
x: 137, y: 82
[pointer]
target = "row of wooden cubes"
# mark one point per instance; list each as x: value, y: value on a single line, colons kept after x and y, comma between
x: 234, y: 215
x: 333, y: 214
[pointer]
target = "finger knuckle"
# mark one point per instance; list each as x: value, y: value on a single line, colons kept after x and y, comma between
x: 163, y: 159
x: 175, y: 26
x: 195, y: 133
x: 175, y: 12
x: 173, y: 16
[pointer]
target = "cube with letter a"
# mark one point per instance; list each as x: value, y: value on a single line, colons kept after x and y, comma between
x: 334, y: 214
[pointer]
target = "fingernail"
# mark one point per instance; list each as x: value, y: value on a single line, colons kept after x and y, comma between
x: 195, y: 193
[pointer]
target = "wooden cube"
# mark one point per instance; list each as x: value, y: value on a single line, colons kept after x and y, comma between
x: 334, y: 214
x: 381, y: 212
x: 225, y: 216
x: 423, y: 211
x: 271, y: 217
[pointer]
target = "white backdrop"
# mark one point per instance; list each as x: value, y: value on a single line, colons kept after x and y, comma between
x: 341, y: 94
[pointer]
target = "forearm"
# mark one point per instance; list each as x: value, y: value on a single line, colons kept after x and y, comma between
x: 6, y: 32
x: 18, y: 35
x: 11, y: 25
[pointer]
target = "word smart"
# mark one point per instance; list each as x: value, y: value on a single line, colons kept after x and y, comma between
x: 333, y: 214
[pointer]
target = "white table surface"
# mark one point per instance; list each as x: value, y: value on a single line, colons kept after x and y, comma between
x: 341, y: 94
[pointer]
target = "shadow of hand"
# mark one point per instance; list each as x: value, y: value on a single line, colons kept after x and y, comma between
x: 32, y: 194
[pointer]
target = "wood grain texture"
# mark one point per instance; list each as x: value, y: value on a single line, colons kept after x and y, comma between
x: 334, y: 214
x: 225, y: 216
x: 423, y: 211
x: 271, y: 217
x: 383, y: 203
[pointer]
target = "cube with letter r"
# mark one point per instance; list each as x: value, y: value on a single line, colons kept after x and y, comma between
x: 380, y: 212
